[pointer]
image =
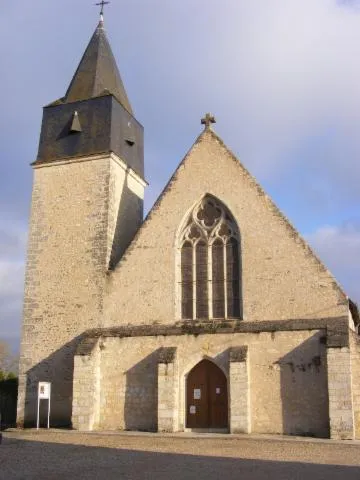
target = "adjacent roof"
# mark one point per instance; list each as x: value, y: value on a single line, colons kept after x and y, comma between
x: 97, y: 73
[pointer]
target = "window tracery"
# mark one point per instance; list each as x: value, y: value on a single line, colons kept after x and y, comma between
x: 210, y: 263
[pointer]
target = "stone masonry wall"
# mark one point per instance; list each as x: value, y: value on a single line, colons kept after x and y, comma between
x: 287, y: 371
x: 281, y: 278
x: 240, y: 408
x: 65, y: 275
x: 168, y: 393
x: 86, y: 391
x: 126, y: 195
x: 340, y: 393
x: 355, y: 372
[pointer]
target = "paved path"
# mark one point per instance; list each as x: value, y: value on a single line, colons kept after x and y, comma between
x: 59, y: 454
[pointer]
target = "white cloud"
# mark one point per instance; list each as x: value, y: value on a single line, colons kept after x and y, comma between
x: 11, y: 295
x: 11, y: 277
x: 12, y: 266
x: 275, y: 73
x: 339, y: 247
x: 12, y: 241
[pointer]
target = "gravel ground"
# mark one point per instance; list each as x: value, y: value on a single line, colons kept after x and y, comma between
x: 73, y: 455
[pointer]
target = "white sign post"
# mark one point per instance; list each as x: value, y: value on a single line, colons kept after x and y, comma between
x: 44, y: 393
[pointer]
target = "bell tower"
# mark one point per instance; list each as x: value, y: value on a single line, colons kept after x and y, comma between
x: 87, y: 204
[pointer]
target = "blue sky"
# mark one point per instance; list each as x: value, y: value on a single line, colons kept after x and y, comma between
x: 282, y: 78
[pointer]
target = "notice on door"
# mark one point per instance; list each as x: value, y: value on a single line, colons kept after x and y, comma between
x: 197, y: 394
x: 217, y: 390
x: 192, y: 409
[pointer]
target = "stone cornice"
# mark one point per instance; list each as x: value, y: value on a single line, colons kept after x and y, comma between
x: 337, y: 330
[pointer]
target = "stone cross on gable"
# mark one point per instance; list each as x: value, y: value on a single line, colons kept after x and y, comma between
x: 208, y: 120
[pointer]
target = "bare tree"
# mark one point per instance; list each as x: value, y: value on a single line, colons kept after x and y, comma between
x: 8, y: 361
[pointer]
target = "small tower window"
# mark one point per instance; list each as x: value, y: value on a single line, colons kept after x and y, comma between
x: 210, y: 263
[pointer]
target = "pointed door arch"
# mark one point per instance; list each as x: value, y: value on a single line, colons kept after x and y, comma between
x: 206, y: 397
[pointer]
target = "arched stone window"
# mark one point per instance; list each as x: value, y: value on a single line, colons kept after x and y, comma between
x: 209, y: 248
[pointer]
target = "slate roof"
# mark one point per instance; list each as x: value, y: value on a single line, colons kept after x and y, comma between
x: 97, y: 73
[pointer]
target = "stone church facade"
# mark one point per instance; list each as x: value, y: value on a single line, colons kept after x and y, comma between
x: 211, y: 314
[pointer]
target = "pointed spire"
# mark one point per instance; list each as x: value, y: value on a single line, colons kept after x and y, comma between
x: 97, y: 73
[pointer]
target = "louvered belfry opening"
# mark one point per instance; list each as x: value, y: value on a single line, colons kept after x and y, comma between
x: 210, y: 263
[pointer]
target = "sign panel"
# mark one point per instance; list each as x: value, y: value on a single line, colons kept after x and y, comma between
x: 197, y: 394
x: 217, y: 390
x: 192, y: 409
x: 44, y: 393
x: 44, y: 390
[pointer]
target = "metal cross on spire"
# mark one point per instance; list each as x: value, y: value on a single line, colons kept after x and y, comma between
x: 208, y: 120
x: 102, y: 4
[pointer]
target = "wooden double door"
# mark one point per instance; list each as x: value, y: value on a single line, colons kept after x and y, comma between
x: 206, y: 397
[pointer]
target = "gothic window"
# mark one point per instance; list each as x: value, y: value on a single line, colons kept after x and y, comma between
x: 218, y: 279
x: 187, y: 280
x: 201, y: 254
x: 210, y: 263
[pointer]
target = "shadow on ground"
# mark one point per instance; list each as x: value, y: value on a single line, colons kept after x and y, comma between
x: 23, y: 459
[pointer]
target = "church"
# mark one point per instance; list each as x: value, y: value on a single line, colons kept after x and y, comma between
x: 210, y: 315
